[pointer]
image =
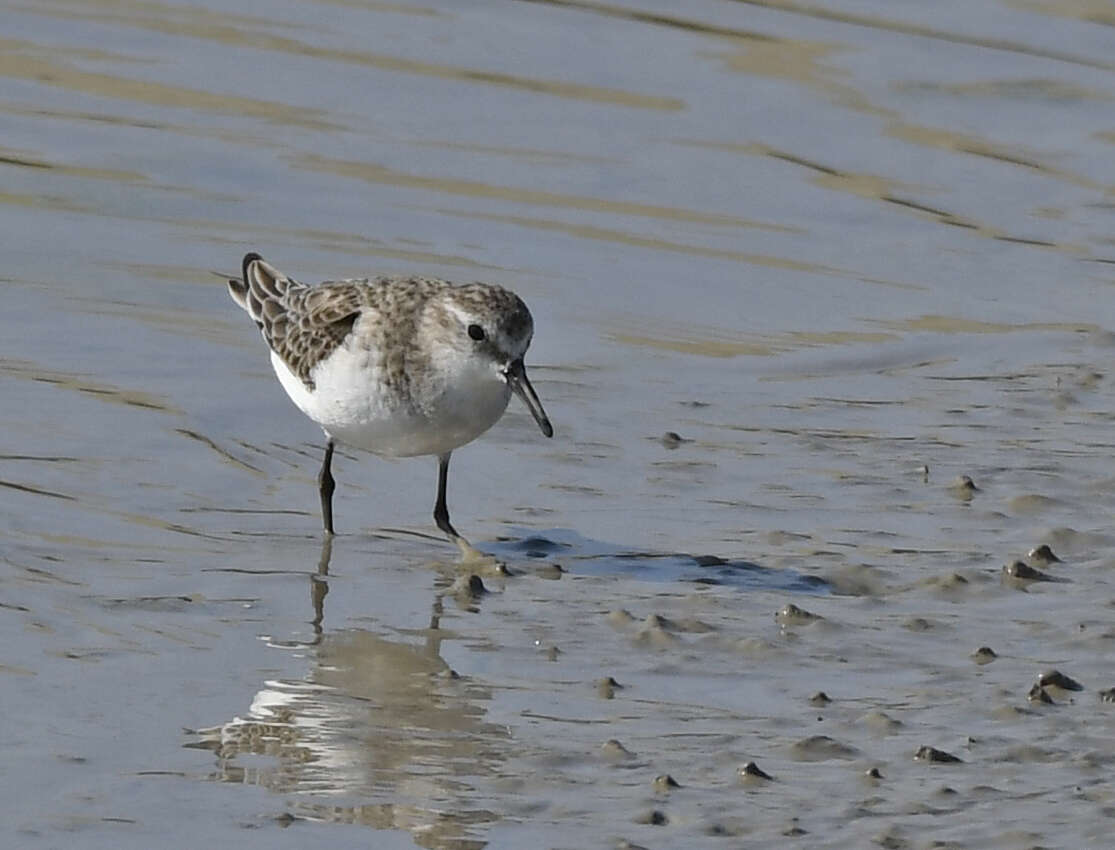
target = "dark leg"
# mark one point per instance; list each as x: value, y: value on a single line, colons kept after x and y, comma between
x: 326, y: 485
x: 441, y: 513
x: 441, y: 510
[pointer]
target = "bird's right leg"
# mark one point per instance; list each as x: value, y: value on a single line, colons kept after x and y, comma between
x: 326, y: 486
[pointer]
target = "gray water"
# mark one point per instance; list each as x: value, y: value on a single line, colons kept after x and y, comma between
x: 847, y: 251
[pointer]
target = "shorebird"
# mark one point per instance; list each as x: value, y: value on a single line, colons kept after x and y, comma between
x: 399, y: 366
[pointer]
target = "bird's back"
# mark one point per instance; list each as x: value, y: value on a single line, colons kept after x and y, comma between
x: 304, y: 325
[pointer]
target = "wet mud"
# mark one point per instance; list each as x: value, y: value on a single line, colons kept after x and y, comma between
x: 820, y: 554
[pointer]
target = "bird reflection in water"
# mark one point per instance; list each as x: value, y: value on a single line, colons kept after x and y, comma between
x: 380, y: 733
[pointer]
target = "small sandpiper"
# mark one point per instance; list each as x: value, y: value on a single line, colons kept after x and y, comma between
x: 398, y: 366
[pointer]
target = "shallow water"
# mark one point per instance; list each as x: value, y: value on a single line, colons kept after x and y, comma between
x: 848, y: 252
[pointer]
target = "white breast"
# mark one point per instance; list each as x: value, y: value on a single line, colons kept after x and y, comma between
x: 353, y: 405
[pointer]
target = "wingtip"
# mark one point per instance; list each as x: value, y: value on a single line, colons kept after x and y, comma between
x: 249, y: 258
x: 238, y: 289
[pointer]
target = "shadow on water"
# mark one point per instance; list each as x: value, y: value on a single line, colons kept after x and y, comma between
x: 380, y: 732
x: 582, y: 556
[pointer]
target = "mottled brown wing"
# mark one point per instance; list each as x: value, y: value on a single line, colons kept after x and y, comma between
x: 302, y: 324
x: 314, y: 324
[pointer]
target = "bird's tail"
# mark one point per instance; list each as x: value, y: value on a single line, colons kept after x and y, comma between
x: 262, y: 289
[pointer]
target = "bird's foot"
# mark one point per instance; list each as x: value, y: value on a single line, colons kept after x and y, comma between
x: 480, y: 563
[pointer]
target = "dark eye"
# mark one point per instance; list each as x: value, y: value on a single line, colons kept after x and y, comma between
x: 476, y: 332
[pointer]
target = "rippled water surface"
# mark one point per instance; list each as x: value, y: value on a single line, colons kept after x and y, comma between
x: 795, y: 269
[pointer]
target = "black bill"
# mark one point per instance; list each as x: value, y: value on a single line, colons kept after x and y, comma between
x: 516, y: 375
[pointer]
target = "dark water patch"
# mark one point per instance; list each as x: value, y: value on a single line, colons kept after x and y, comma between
x: 176, y: 528
x: 156, y: 604
x: 259, y: 572
x: 223, y: 453
x: 40, y: 458
x: 259, y: 511
x: 582, y: 556
x: 535, y: 546
x: 38, y: 491
x: 875, y: 22
x: 23, y: 163
x: 1021, y: 240
x: 661, y: 20
x: 26, y: 370
x: 41, y: 575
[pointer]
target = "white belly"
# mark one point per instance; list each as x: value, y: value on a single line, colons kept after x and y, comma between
x: 351, y: 406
